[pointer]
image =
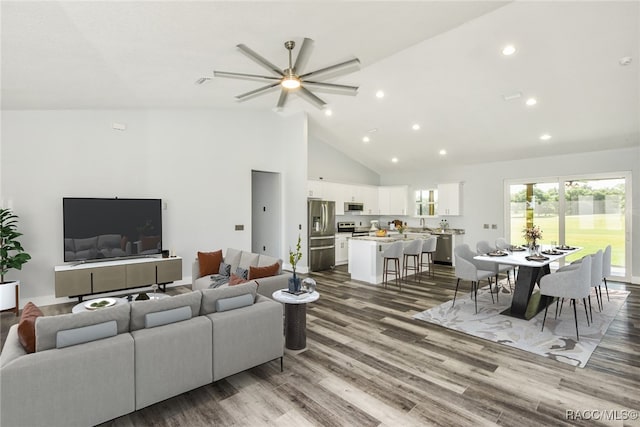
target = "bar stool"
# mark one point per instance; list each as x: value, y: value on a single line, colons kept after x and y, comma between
x: 393, y: 253
x: 429, y: 248
x: 412, y: 251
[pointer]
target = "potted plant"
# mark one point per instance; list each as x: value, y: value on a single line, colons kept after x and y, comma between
x: 12, y: 254
x: 294, y: 257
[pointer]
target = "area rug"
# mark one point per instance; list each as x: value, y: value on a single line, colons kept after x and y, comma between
x: 557, y: 341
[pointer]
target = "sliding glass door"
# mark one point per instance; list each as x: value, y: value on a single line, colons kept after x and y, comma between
x: 590, y: 212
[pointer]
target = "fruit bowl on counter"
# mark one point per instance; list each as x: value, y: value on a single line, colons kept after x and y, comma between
x: 381, y: 233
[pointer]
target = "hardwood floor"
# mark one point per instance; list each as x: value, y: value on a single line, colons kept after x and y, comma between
x: 368, y: 363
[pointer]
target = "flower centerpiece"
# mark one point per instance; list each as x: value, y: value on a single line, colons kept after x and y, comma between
x: 294, y: 257
x: 531, y: 236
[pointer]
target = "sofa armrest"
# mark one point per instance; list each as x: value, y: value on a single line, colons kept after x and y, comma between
x: 268, y: 285
x: 12, y: 348
x: 195, y: 270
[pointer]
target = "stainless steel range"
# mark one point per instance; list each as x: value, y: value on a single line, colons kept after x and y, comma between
x: 350, y: 227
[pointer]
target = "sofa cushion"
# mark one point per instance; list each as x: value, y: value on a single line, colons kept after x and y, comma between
x: 27, y: 326
x: 69, y: 337
x: 47, y: 327
x: 209, y: 262
x: 247, y: 259
x: 233, y: 258
x: 231, y: 303
x: 159, y: 318
x: 266, y: 271
x: 236, y: 280
x: 139, y: 309
x: 210, y: 296
x: 266, y: 260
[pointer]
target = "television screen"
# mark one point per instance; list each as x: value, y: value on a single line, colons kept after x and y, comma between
x: 111, y: 228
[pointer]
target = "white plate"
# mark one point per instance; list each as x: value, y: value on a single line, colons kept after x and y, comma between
x: 110, y: 302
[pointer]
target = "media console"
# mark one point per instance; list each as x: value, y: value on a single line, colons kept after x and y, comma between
x: 93, y: 278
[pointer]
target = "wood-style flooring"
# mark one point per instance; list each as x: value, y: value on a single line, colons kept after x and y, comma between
x: 368, y: 363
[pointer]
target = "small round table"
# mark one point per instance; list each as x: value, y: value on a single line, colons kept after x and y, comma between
x: 295, y: 317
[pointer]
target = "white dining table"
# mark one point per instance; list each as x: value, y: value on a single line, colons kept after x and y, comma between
x: 526, y: 303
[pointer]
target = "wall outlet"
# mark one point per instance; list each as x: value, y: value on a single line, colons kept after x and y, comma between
x: 494, y: 226
x: 239, y: 227
x: 486, y: 226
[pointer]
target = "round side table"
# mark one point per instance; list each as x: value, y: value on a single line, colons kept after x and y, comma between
x: 295, y: 317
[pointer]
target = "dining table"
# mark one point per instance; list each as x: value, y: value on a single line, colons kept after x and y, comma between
x: 527, y: 302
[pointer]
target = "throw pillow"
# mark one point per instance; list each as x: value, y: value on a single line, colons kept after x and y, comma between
x: 84, y: 334
x: 231, y: 303
x: 225, y: 269
x: 267, y: 271
x: 236, y: 280
x: 27, y: 327
x: 242, y: 272
x: 209, y: 262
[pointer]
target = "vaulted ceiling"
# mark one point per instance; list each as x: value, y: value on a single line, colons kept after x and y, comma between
x: 440, y: 65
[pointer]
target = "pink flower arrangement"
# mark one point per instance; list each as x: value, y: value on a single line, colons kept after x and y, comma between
x: 532, y: 234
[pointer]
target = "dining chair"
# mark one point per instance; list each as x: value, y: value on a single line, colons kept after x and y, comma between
x: 595, y: 278
x: 502, y: 244
x: 472, y: 270
x: 392, y: 253
x: 571, y: 283
x: 483, y: 247
x: 412, y: 252
x: 429, y: 248
x: 606, y: 269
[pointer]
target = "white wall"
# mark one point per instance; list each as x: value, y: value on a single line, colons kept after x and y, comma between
x: 329, y: 164
x: 483, y: 189
x: 198, y: 161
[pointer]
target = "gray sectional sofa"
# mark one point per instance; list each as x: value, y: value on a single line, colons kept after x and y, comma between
x: 243, y: 259
x: 135, y: 355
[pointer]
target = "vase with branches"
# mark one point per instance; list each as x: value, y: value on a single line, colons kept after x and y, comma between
x: 294, y: 257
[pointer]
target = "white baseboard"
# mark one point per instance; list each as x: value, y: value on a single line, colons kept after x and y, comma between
x: 635, y: 280
x: 44, y: 300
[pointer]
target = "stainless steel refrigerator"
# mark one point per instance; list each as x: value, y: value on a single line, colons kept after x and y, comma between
x: 322, y: 234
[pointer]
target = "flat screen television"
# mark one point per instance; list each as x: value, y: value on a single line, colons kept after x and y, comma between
x: 98, y: 229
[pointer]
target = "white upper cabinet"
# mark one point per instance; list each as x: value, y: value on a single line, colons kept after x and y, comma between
x: 315, y: 189
x: 370, y: 200
x: 449, y: 199
x: 393, y: 200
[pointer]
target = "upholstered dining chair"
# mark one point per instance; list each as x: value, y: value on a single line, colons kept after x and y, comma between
x: 412, y: 252
x: 392, y: 253
x: 429, y: 248
x: 571, y: 283
x: 472, y: 270
x: 606, y: 269
x: 502, y: 244
x: 483, y: 247
x: 595, y: 279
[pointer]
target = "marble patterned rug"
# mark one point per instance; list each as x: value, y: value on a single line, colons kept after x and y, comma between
x: 557, y: 341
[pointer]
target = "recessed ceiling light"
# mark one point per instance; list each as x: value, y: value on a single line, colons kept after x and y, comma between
x: 379, y: 94
x: 394, y: 160
x: 443, y: 152
x: 531, y: 101
x: 508, y: 50
x: 365, y: 139
x: 415, y: 127
x: 328, y: 113
x: 545, y: 137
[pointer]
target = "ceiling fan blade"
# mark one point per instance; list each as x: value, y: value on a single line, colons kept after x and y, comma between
x: 256, y: 92
x: 332, y: 87
x: 283, y: 98
x: 243, y: 76
x: 306, y: 94
x: 260, y: 60
x: 337, y: 69
x: 303, y: 55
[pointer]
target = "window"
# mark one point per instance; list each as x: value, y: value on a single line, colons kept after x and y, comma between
x: 425, y: 202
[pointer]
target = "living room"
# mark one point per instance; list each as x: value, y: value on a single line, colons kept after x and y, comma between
x: 118, y: 143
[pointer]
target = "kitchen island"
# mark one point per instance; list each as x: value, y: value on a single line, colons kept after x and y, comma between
x: 365, y: 255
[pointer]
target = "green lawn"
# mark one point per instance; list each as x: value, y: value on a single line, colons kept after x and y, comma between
x: 592, y: 232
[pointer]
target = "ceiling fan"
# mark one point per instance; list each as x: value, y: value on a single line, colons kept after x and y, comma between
x: 292, y: 79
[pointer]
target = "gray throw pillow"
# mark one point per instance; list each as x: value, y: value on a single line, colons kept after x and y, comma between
x: 242, y: 272
x: 159, y: 318
x: 225, y: 269
x: 226, y: 304
x: 69, y: 337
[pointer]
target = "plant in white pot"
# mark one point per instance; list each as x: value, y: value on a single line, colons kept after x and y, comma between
x: 12, y: 256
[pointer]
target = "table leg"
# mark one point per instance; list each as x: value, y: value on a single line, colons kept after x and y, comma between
x: 526, y: 304
x: 295, y: 326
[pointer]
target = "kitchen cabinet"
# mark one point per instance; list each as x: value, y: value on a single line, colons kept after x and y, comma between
x: 392, y: 200
x: 449, y: 199
x: 315, y: 189
x: 342, y: 249
x: 370, y: 200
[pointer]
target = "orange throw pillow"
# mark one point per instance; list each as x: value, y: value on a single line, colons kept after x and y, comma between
x: 266, y: 271
x: 27, y: 327
x: 236, y: 280
x: 209, y: 262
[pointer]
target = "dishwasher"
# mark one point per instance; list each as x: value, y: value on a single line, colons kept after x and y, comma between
x: 444, y: 250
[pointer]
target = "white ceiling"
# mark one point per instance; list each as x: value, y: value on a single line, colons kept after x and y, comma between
x: 439, y: 64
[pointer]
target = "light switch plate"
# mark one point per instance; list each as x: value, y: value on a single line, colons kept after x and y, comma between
x: 239, y: 227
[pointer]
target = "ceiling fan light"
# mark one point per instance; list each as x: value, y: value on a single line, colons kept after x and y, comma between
x: 290, y: 82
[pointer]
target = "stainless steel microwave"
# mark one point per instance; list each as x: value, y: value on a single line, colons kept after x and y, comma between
x: 353, y: 207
